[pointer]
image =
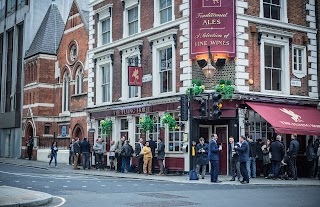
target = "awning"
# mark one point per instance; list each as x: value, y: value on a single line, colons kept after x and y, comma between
x: 289, y: 119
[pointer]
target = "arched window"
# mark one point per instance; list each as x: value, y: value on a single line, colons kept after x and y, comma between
x: 79, y: 81
x: 66, y: 92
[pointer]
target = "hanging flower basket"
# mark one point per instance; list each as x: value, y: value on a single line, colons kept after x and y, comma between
x: 106, y: 126
x: 225, y: 88
x: 146, y: 124
x: 168, y: 119
x: 197, y: 88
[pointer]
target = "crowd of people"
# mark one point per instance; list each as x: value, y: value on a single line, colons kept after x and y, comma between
x: 120, y: 153
x: 275, y: 161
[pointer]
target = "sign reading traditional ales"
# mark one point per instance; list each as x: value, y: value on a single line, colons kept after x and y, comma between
x: 212, y: 24
x: 135, y: 76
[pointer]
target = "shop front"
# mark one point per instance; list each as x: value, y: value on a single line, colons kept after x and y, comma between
x: 266, y: 120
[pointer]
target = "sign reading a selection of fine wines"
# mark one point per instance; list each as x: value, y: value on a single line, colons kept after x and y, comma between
x: 212, y: 24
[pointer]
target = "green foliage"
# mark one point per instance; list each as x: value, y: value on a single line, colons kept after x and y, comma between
x: 225, y: 88
x: 197, y: 88
x: 168, y: 119
x: 106, y: 126
x: 146, y: 123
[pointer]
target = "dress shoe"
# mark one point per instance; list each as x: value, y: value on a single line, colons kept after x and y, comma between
x: 216, y: 181
x: 232, y: 179
x: 244, y: 182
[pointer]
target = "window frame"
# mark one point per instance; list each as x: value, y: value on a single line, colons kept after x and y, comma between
x: 175, y: 115
x: 104, y: 14
x: 107, y: 84
x: 285, y: 79
x: 107, y: 32
x: 157, y: 15
x: 79, y: 81
x: 130, y: 4
x: 162, y: 41
x: 66, y: 92
x: 166, y: 70
x: 283, y: 11
x: 303, y: 72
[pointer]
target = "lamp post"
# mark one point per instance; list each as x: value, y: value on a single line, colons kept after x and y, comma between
x: 207, y: 68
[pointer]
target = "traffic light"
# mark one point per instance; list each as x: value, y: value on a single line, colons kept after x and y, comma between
x: 184, y: 107
x: 203, y: 107
x: 216, y: 105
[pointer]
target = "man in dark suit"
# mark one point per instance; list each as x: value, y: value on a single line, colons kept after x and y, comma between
x: 139, y: 156
x: 153, y: 146
x: 76, y: 147
x: 243, y: 152
x: 214, y: 158
x: 293, y: 153
x: 85, y: 149
x: 277, y: 153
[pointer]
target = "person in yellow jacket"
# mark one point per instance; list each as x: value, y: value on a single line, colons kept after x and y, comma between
x: 147, y: 159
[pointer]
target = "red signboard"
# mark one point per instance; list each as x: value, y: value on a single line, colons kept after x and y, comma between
x: 135, y: 76
x: 212, y: 23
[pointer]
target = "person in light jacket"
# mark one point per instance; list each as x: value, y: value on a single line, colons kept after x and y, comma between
x: 147, y: 159
x: 161, y: 155
x: 98, y: 151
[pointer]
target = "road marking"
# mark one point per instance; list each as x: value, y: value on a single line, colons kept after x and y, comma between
x: 135, y: 184
x: 103, y: 185
x: 65, y: 186
x: 151, y: 184
x: 84, y: 181
x: 119, y: 185
x: 115, y: 181
x: 29, y: 187
x: 51, y: 181
x: 62, y: 201
x: 17, y: 181
x: 99, y: 181
x: 68, y: 181
x: 46, y: 187
x: 34, y: 181
x: 84, y: 186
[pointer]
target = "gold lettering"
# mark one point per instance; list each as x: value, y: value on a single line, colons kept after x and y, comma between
x: 220, y: 42
x: 211, y: 22
x: 203, y: 43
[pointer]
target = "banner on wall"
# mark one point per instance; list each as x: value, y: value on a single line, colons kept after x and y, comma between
x: 212, y: 23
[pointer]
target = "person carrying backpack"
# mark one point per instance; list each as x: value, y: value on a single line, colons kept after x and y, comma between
x: 126, y: 154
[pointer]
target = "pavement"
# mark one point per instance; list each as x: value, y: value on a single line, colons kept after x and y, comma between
x: 10, y: 196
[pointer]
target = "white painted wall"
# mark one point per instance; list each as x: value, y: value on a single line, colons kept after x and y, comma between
x: 62, y: 157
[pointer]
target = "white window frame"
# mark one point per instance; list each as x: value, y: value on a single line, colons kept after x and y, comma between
x: 162, y: 41
x: 303, y: 72
x: 106, y: 32
x: 128, y: 51
x: 102, y: 60
x: 130, y: 4
x: 104, y: 15
x: 157, y: 19
x: 283, y: 11
x: 102, y: 68
x: 175, y: 115
x: 66, y: 88
x: 285, y: 77
x: 79, y: 81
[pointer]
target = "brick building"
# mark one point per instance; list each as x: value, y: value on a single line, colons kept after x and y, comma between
x: 56, y: 78
x: 269, y: 53
x: 19, y: 23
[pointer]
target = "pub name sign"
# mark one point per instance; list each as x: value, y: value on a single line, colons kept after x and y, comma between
x: 212, y: 24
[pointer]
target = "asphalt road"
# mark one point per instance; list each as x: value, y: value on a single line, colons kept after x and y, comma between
x: 78, y: 190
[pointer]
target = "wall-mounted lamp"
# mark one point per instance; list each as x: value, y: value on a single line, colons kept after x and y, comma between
x: 209, y: 67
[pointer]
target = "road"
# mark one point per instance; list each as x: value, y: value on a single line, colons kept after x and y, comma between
x: 81, y: 190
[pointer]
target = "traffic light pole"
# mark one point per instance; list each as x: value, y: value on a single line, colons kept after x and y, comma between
x: 190, y: 129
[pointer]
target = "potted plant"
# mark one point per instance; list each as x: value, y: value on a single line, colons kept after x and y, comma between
x: 106, y: 126
x: 197, y: 88
x: 168, y: 119
x: 146, y: 123
x: 225, y: 88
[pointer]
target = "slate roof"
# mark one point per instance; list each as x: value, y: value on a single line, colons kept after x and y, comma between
x: 49, y: 34
x: 84, y: 10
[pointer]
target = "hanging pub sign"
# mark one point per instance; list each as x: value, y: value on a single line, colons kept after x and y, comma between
x: 135, y: 76
x: 212, y: 23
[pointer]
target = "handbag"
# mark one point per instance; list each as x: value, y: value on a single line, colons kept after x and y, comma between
x: 49, y: 154
x: 266, y: 159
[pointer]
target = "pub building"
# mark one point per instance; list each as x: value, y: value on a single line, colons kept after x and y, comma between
x: 141, y: 66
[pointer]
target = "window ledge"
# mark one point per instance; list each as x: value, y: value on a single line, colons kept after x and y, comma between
x: 77, y: 95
